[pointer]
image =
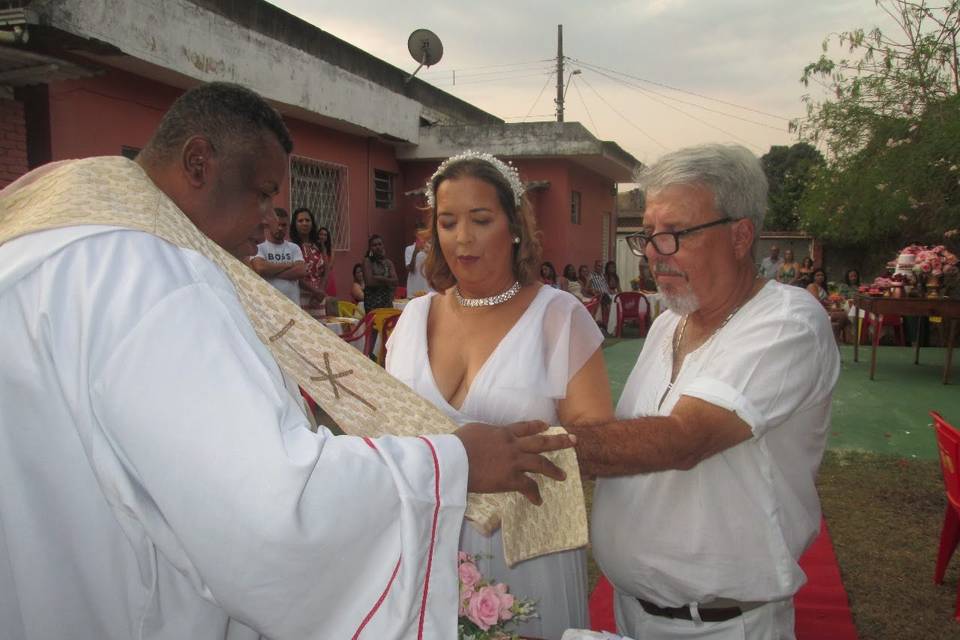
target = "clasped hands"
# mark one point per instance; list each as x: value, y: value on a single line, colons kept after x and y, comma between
x: 500, y: 457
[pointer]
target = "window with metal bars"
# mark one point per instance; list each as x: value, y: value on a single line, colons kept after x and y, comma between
x: 575, y: 207
x: 383, y: 189
x: 322, y: 188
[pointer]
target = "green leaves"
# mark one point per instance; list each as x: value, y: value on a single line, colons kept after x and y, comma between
x: 891, y: 128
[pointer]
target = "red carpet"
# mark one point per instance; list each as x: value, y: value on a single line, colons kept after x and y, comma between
x: 823, y: 612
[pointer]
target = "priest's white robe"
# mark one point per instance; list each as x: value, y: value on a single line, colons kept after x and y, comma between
x: 158, y: 480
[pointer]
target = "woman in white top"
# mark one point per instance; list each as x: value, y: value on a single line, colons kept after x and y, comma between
x: 495, y: 345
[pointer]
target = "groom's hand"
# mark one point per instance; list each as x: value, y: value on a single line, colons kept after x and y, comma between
x: 500, y: 457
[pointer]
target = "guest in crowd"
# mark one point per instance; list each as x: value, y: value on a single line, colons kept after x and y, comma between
x: 805, y: 272
x: 647, y: 282
x: 278, y: 260
x: 356, y: 287
x: 789, y: 269
x: 548, y: 275
x: 325, y: 241
x: 818, y: 285
x: 598, y: 286
x: 379, y: 276
x: 413, y: 257
x: 613, y: 280
x: 583, y: 277
x: 838, y: 315
x: 707, y: 497
x: 850, y: 285
x: 573, y: 282
x: 497, y: 345
x: 303, y: 233
x: 770, y: 266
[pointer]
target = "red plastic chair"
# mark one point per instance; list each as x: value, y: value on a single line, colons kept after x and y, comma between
x: 362, y: 331
x: 948, y: 441
x: 632, y: 305
x: 895, y: 322
x: 399, y: 292
x: 388, y: 326
x: 592, y: 305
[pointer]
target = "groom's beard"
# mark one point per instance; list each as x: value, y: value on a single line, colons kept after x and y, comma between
x: 680, y: 302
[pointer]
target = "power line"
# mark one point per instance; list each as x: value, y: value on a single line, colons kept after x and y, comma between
x: 692, y: 93
x: 623, y: 117
x: 503, y: 78
x: 537, y: 99
x: 587, y: 109
x: 455, y: 77
x: 686, y: 102
x: 491, y: 66
x: 679, y: 110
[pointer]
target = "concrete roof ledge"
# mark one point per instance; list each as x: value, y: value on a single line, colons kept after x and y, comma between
x: 525, y: 140
x: 191, y: 40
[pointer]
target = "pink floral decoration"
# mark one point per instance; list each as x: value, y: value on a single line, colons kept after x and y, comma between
x: 484, y: 609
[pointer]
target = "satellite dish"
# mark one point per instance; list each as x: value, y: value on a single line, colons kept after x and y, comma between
x: 425, y: 47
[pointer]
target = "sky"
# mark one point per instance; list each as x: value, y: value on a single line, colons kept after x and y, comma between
x: 655, y: 75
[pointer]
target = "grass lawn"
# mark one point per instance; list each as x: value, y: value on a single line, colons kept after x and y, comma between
x: 881, y: 487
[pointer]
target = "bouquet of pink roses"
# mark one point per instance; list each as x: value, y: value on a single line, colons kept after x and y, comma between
x: 487, y: 608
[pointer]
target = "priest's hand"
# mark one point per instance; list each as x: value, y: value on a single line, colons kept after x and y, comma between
x: 500, y: 457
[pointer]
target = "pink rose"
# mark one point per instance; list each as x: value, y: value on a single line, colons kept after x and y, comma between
x: 465, y: 594
x: 469, y: 574
x: 506, y: 602
x: 484, y: 609
x: 463, y: 556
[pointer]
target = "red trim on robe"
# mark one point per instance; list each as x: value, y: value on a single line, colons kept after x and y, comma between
x: 383, y: 596
x: 433, y: 535
x: 370, y: 443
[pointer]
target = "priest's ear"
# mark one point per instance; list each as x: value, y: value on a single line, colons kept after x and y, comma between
x: 197, y: 160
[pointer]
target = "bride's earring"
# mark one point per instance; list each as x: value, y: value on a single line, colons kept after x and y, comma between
x: 516, y: 239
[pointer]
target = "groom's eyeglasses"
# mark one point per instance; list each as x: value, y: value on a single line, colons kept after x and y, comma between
x: 667, y: 242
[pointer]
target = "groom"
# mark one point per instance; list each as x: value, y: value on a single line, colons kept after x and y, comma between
x: 707, y: 498
x: 159, y: 478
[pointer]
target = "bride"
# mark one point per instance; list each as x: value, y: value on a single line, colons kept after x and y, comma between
x: 496, y: 346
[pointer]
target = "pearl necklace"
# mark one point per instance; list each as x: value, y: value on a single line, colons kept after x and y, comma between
x: 487, y: 302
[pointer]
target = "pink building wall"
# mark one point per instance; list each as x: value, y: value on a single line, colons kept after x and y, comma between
x: 104, y: 114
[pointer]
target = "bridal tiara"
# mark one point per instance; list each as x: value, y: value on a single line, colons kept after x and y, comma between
x: 508, y: 171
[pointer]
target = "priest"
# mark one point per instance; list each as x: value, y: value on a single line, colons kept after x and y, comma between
x: 159, y: 477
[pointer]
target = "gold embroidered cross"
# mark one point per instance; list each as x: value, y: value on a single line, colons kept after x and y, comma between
x: 325, y: 376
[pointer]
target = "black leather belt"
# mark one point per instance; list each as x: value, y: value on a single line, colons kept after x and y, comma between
x: 707, y: 614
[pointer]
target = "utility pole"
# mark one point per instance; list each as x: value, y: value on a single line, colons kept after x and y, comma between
x: 559, y: 99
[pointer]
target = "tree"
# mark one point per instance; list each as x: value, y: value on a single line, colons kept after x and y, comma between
x: 892, y: 131
x: 885, y: 77
x: 789, y: 170
x: 903, y: 185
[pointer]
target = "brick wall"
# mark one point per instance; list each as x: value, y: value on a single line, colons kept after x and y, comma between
x: 13, y: 142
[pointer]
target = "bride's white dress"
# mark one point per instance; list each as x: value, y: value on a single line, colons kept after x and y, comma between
x: 522, y: 379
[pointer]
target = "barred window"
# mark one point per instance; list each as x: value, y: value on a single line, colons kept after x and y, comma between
x: 322, y: 188
x: 575, y: 207
x: 383, y: 182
